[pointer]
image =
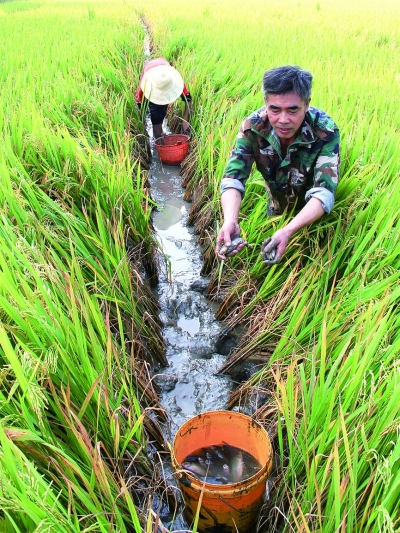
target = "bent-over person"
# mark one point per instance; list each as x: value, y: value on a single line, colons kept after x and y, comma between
x: 296, y: 149
x: 161, y: 84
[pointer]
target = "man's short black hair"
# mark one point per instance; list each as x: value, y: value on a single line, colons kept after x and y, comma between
x: 288, y: 79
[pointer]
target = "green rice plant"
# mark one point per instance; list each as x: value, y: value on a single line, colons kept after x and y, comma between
x: 324, y: 319
x: 330, y: 429
x: 69, y: 135
x: 77, y: 313
x: 57, y: 343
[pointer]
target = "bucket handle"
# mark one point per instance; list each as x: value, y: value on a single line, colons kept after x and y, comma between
x: 239, y: 510
x: 160, y: 141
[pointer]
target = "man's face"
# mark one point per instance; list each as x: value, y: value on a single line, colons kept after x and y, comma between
x: 286, y: 114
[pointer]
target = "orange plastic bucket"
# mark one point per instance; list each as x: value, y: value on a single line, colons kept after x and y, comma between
x: 232, y: 507
x: 172, y: 149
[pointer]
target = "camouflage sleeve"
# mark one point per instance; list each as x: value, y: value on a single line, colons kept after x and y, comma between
x: 326, y: 172
x: 239, y: 163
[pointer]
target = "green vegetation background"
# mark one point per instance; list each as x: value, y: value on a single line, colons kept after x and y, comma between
x: 72, y: 335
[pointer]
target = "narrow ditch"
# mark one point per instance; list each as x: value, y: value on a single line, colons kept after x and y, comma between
x: 188, y: 385
x: 196, y: 342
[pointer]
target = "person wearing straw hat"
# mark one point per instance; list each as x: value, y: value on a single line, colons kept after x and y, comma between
x: 296, y: 149
x: 160, y: 85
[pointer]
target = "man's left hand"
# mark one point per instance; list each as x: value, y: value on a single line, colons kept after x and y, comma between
x: 273, y: 248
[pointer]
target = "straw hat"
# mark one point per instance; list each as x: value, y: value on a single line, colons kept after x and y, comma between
x: 162, y: 84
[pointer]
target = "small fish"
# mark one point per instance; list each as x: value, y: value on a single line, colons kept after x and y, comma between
x: 236, y: 467
x: 221, y: 464
x: 269, y: 256
x: 194, y: 468
x: 212, y: 480
x: 191, y: 458
x: 218, y: 452
x: 234, y: 244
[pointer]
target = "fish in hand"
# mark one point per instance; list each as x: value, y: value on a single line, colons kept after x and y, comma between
x: 269, y: 251
x: 225, y: 250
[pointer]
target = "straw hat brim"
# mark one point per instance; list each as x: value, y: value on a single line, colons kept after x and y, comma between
x: 162, y: 84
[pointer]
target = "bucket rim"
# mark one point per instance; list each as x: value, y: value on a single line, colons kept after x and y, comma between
x: 185, y: 138
x: 211, y: 488
x: 220, y: 411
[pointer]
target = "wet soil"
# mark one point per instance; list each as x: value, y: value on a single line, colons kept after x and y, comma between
x: 188, y: 385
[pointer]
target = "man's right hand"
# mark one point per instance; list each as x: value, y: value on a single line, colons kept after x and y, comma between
x: 227, y: 233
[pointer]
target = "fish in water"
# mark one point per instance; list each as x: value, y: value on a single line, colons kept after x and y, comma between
x: 236, y: 466
x: 221, y: 464
x: 197, y: 469
x: 234, y: 244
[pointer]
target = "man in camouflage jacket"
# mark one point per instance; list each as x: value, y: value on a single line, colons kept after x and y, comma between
x: 295, y: 148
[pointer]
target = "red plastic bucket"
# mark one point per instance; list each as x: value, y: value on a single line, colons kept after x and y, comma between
x: 172, y: 149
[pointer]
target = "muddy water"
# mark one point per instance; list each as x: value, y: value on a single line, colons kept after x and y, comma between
x: 193, y: 336
x: 188, y: 385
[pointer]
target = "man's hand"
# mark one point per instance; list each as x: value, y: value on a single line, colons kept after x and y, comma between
x: 230, y: 200
x: 227, y: 233
x: 273, y: 248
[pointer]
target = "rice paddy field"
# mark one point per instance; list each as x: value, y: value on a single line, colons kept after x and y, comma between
x: 79, y: 326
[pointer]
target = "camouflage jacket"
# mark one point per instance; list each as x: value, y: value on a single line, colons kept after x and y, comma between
x: 310, y: 168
